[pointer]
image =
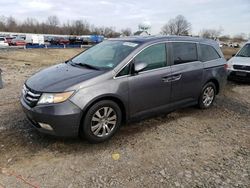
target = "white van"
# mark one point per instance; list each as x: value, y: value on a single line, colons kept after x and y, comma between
x: 34, y: 39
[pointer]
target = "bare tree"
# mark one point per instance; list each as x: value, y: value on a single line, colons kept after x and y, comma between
x: 79, y: 27
x: 53, y: 21
x: 210, y: 33
x: 52, y: 26
x: 177, y: 26
x: 2, y: 23
x: 224, y: 38
x: 239, y: 37
x: 11, y: 24
x: 126, y: 32
x: 110, y: 32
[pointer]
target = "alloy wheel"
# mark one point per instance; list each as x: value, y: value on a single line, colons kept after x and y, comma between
x: 103, y: 121
x: 208, y: 96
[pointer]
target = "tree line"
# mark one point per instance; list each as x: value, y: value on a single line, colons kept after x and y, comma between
x: 175, y: 26
x: 52, y: 25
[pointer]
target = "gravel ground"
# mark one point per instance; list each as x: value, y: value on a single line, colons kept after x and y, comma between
x: 186, y: 148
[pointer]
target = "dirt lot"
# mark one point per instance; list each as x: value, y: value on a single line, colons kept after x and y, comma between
x: 228, y: 52
x: 187, y: 148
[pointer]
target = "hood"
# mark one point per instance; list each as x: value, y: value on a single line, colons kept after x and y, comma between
x: 60, y: 77
x: 240, y: 61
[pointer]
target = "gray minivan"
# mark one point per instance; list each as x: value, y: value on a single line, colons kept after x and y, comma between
x: 121, y: 80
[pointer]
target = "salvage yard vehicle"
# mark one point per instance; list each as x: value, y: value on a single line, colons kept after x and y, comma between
x: 3, y: 42
x: 17, y: 42
x: 239, y: 65
x: 60, y: 41
x: 121, y: 80
x: 32, y: 39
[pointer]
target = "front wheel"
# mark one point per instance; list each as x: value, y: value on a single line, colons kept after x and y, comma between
x: 207, y: 96
x: 101, y: 121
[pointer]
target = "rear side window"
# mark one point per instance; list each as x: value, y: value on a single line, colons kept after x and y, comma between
x: 184, y: 52
x: 208, y: 53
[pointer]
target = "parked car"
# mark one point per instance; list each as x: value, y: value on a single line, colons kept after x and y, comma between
x: 9, y: 39
x: 121, y: 80
x: 59, y: 40
x: 76, y: 40
x: 3, y: 42
x: 239, y: 65
x: 17, y: 42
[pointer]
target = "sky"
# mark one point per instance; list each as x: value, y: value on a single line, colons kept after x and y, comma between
x: 233, y: 16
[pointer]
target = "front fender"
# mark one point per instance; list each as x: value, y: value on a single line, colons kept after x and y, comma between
x: 115, y: 88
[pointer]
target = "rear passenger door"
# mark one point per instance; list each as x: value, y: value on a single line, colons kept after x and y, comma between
x: 187, y: 72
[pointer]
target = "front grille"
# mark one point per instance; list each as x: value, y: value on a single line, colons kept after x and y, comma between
x: 235, y: 77
x: 242, y: 67
x: 30, y: 96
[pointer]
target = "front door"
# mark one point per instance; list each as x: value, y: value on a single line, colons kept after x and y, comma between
x: 150, y: 89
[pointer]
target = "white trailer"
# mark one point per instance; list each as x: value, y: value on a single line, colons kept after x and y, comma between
x: 34, y: 39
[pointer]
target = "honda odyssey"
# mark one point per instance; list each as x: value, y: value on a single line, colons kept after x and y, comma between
x: 121, y: 80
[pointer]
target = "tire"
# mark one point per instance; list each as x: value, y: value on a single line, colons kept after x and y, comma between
x: 207, y: 96
x: 98, y: 127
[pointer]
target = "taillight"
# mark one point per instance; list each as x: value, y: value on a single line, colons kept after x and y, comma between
x: 226, y: 66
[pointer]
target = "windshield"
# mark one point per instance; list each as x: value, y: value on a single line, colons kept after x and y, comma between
x: 245, y: 51
x: 107, y: 54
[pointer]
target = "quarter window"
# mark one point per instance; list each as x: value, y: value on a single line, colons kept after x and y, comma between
x: 184, y: 52
x: 125, y: 71
x: 208, y: 53
x: 154, y: 56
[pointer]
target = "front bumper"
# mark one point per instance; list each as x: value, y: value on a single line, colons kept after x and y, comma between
x: 64, y: 118
x: 238, y: 75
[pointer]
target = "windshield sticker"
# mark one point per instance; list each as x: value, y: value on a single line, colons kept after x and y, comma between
x: 131, y: 44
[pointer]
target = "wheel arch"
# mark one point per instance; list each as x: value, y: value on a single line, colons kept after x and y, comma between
x: 216, y: 83
x: 113, y: 98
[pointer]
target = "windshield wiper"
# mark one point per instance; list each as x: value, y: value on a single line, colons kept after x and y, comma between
x: 87, y: 65
x: 82, y: 65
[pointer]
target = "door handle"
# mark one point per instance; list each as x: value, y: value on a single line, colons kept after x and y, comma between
x: 167, y: 79
x: 176, y: 77
x: 171, y: 78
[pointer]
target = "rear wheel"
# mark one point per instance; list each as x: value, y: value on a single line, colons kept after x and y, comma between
x: 207, y: 96
x: 101, y: 121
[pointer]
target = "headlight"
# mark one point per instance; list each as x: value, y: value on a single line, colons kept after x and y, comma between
x: 48, y: 98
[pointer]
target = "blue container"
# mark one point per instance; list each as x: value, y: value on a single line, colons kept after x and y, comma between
x: 55, y: 46
x: 73, y: 46
x: 35, y: 46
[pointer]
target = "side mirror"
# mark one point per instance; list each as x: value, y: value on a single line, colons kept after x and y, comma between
x: 139, y: 66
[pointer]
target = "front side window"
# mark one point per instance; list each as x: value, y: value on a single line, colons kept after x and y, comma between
x: 107, y: 54
x: 208, y: 53
x: 184, y: 52
x: 154, y: 56
x: 244, y: 52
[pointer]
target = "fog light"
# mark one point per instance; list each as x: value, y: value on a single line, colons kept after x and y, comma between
x: 46, y: 126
